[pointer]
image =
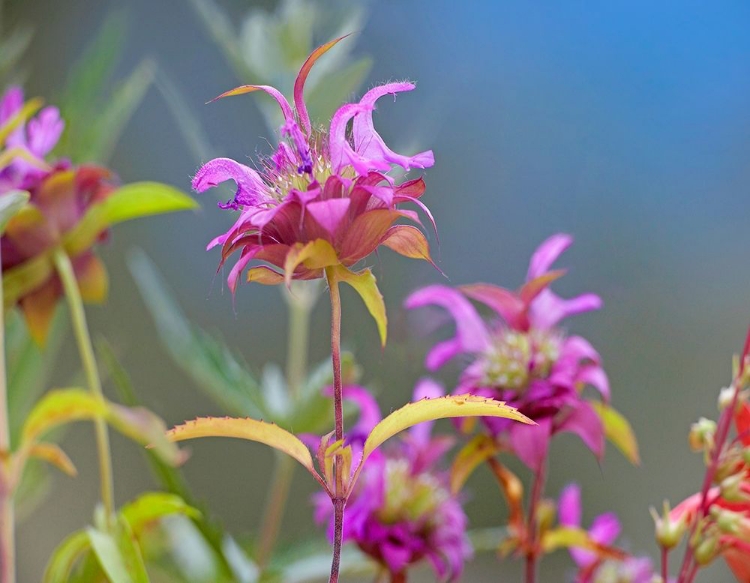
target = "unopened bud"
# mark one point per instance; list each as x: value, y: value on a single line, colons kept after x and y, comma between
x: 731, y: 488
x: 707, y: 549
x: 668, y: 531
x: 701, y: 435
x: 727, y: 520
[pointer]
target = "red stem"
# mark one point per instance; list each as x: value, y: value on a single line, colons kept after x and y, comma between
x: 338, y: 498
x: 665, y: 564
x: 532, y: 552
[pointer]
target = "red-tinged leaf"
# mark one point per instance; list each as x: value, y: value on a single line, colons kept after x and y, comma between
x: 365, y: 284
x: 65, y: 557
x: 504, y: 302
x: 286, y: 109
x: 264, y: 275
x: 365, y: 233
x: 618, y: 431
x: 151, y: 507
x: 564, y: 537
x: 38, y: 309
x: 51, y: 453
x: 93, y: 280
x: 317, y: 254
x: 267, y: 433
x: 407, y: 241
x: 299, y: 82
x: 512, y: 489
x: 412, y: 188
x: 478, y: 450
x: 450, y: 406
x: 533, y: 288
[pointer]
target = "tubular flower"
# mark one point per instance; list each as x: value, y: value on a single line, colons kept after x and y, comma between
x: 324, y: 199
x: 522, y: 357
x: 402, y: 510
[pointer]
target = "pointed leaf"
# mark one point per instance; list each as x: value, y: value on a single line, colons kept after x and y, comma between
x: 478, y: 450
x: 10, y: 203
x: 250, y: 429
x: 316, y: 254
x: 131, y: 201
x: 65, y: 557
x: 53, y: 454
x: 24, y: 278
x: 118, y: 554
x: 365, y: 284
x: 153, y: 506
x: 565, y: 537
x: 146, y: 428
x: 438, y: 408
x: 618, y: 431
x: 407, y: 241
x: 58, y: 407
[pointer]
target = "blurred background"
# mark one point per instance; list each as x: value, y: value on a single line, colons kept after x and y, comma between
x: 626, y: 124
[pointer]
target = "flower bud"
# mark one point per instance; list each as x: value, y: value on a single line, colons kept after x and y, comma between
x: 707, y: 549
x: 731, y: 488
x: 727, y: 521
x: 668, y: 531
x: 701, y: 435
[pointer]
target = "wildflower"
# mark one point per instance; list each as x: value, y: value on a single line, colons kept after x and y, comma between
x: 324, y: 198
x: 523, y: 357
x: 401, y: 510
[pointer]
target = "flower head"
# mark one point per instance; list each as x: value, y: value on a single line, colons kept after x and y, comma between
x: 522, y: 356
x: 324, y: 198
x: 402, y: 510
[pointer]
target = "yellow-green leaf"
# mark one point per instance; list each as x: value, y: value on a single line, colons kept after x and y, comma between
x: 267, y: 433
x: 478, y: 450
x: 438, y: 408
x: 365, y: 284
x: 565, y: 537
x: 65, y: 557
x: 10, y: 204
x: 58, y: 407
x: 53, y: 454
x: 131, y: 201
x: 316, y: 254
x: 618, y: 431
x: 118, y: 554
x: 26, y: 277
x: 151, y: 507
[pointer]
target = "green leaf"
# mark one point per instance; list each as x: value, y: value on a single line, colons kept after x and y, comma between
x: 438, y: 408
x: 151, y: 507
x: 10, y: 203
x: 618, y: 431
x: 365, y: 285
x: 118, y: 554
x: 250, y: 429
x: 205, y: 358
x: 139, y: 199
x: 65, y: 557
x: 565, y: 537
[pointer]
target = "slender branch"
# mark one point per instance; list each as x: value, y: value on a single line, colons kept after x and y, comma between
x: 80, y: 327
x: 665, y: 564
x: 532, y: 552
x: 338, y: 413
x: 7, y: 523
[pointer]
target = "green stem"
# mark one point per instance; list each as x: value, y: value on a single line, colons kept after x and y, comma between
x: 7, y: 523
x: 339, y: 499
x: 78, y: 316
x: 275, y: 505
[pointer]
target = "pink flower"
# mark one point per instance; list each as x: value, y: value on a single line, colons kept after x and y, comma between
x: 324, y: 198
x: 402, y: 510
x: 523, y: 357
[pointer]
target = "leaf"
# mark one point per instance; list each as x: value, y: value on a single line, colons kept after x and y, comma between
x: 51, y: 453
x: 565, y: 537
x: 10, y: 203
x: 407, y: 241
x: 250, y: 429
x: 23, y: 278
x: 131, y: 201
x: 618, y: 431
x: 365, y: 284
x: 146, y: 428
x: 66, y: 555
x: 118, y: 554
x: 205, y: 358
x: 58, y: 407
x: 316, y: 254
x: 152, y: 507
x: 437, y: 408
x: 479, y: 449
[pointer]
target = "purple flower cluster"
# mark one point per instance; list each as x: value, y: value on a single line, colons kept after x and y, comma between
x: 521, y: 355
x: 402, y: 509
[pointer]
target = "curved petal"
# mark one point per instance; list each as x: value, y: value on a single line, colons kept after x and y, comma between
x: 548, y: 308
x: 329, y: 213
x: 531, y: 442
x: 595, y: 376
x: 586, y: 424
x: 341, y: 151
x: 251, y: 190
x: 367, y: 142
x: 569, y: 506
x: 547, y: 253
x: 44, y: 131
x: 286, y: 109
x: 471, y: 332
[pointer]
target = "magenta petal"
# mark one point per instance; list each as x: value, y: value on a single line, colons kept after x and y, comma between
x: 329, y: 213
x: 595, y: 376
x: 44, y: 131
x: 604, y: 530
x: 548, y: 308
x: 471, y: 333
x: 369, y: 144
x: 251, y: 190
x: 369, y: 412
x: 586, y: 424
x: 547, y: 253
x: 12, y: 101
x: 340, y: 150
x: 442, y: 352
x: 569, y: 506
x: 531, y: 442
x: 579, y: 349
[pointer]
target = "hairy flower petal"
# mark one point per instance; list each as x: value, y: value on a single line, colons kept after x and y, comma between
x: 251, y: 190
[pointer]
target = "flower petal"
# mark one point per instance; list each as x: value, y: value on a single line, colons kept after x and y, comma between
x: 316, y: 254
x: 251, y: 190
x: 548, y: 308
x: 365, y: 234
x: 569, y: 506
x: 531, y: 442
x: 286, y: 109
x: 329, y: 213
x: 586, y: 424
x: 507, y: 304
x: 547, y: 253
x: 407, y: 241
